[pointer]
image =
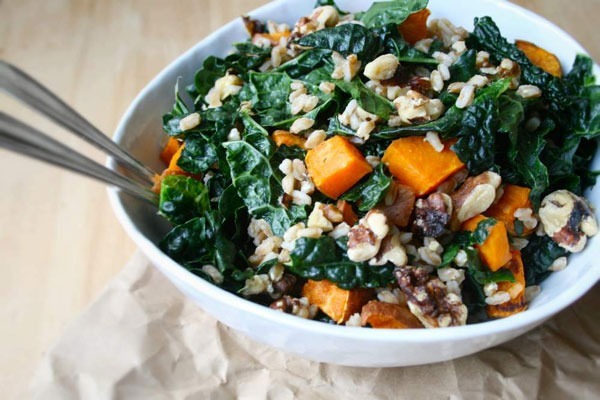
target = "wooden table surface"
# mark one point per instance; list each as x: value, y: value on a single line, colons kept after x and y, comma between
x: 59, y: 241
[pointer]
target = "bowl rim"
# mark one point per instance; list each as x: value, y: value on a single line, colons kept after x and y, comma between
x: 166, y: 264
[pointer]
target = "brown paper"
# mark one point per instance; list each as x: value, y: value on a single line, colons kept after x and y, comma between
x: 143, y: 340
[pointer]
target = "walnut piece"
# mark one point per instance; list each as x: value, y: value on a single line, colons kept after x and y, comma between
x: 428, y: 298
x: 568, y: 220
x: 364, y: 239
x: 432, y: 214
x: 475, y: 195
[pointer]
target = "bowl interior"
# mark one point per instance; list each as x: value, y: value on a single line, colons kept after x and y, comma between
x: 140, y: 132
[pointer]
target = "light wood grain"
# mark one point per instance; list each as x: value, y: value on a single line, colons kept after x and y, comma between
x: 59, y: 241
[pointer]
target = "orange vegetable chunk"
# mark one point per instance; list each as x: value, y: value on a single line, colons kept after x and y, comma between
x: 513, y: 198
x: 382, y: 315
x: 335, y: 166
x: 350, y: 216
x: 516, y: 290
x: 541, y: 58
x: 169, y: 150
x: 286, y: 138
x: 414, y: 28
x: 338, y: 304
x: 172, y: 169
x: 416, y: 164
x: 495, y: 251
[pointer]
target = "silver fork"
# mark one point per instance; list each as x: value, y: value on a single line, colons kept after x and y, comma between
x: 21, y: 138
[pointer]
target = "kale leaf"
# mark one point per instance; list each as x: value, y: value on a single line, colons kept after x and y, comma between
x: 395, y: 44
x: 538, y: 256
x: 324, y: 258
x: 370, y: 190
x: 346, y: 39
x: 182, y: 198
x: 391, y: 12
x: 198, y: 155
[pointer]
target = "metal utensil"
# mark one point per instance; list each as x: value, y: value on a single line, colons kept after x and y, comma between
x: 21, y: 138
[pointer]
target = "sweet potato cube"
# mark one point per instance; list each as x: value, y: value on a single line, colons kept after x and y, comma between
x: 289, y: 139
x: 515, y: 289
x: 416, y: 164
x: 169, y: 150
x: 495, y: 251
x: 414, y: 28
x: 540, y: 57
x: 335, y: 166
x: 382, y: 315
x: 350, y: 216
x: 172, y: 169
x: 338, y: 304
x: 513, y: 198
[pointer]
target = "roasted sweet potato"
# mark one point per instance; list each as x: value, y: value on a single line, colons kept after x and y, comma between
x: 414, y: 28
x: 288, y: 139
x: 540, y: 57
x: 402, y: 202
x: 495, y: 251
x: 169, y: 150
x: 515, y: 289
x: 513, y: 198
x: 335, y: 166
x: 338, y: 304
x: 350, y: 216
x: 172, y: 169
x: 417, y: 165
x: 382, y: 315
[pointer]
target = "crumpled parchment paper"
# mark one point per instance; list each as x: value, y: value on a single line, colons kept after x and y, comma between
x: 142, y: 339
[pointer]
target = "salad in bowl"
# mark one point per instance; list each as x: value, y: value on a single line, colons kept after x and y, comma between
x: 381, y: 168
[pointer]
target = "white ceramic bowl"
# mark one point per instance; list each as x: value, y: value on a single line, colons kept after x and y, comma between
x: 140, y: 132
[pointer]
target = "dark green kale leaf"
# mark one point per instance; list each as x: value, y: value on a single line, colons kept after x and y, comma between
x: 464, y: 68
x: 188, y: 242
x: 258, y: 187
x: 212, y: 69
x: 324, y: 258
x: 366, y: 98
x: 247, y: 57
x: 477, y: 136
x: 269, y: 94
x: 487, y: 36
x: 182, y: 198
x: 307, y: 62
x: 346, y: 39
x: 179, y: 111
x: 370, y: 190
x: 538, y: 256
x: 391, y: 12
x: 256, y: 135
x: 395, y: 44
x: 199, y: 154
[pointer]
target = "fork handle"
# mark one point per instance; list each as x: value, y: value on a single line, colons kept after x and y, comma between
x: 38, y: 97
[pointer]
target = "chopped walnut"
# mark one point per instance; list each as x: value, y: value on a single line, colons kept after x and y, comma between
x: 392, y: 251
x: 298, y: 307
x: 568, y: 220
x: 432, y: 214
x: 429, y: 300
x: 475, y: 195
x: 415, y: 108
x: 364, y: 239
